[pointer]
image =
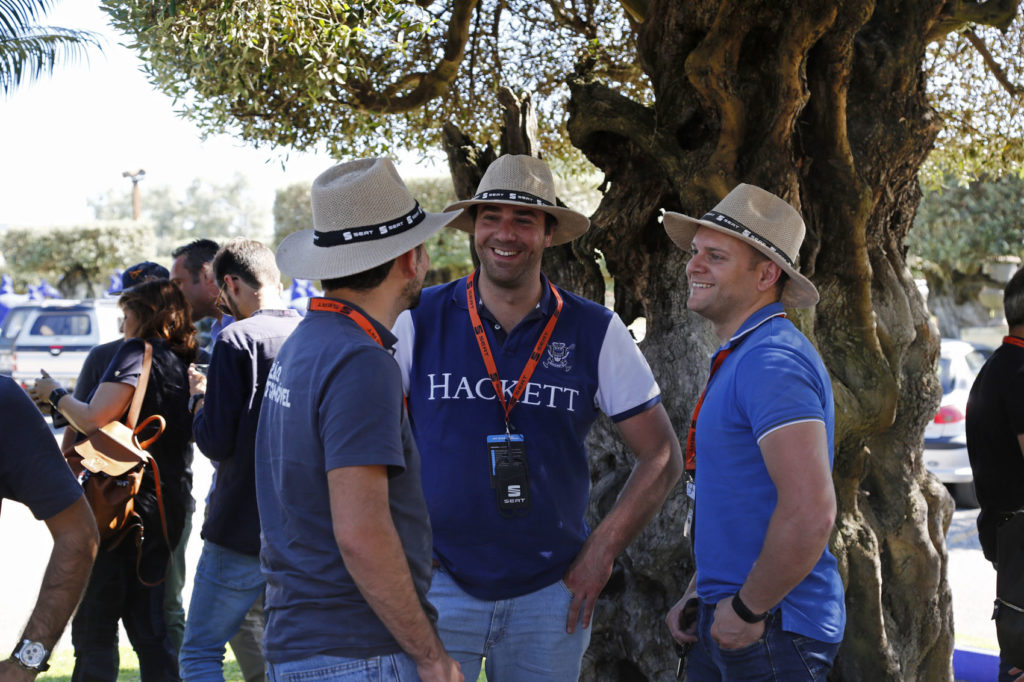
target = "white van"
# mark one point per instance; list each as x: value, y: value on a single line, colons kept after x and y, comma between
x: 57, y: 335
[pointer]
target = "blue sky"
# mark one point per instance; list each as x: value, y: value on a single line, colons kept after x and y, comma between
x: 69, y: 137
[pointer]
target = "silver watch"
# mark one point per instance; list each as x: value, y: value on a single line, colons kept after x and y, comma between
x: 32, y: 656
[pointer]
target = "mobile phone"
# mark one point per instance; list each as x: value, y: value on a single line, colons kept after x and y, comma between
x: 203, y: 368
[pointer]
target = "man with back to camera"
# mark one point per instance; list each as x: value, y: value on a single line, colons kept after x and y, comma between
x: 346, y: 538
x: 769, y: 596
x: 995, y: 445
x: 228, y: 579
x: 507, y: 481
x: 32, y: 471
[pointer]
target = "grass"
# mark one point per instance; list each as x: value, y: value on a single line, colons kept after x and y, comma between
x: 63, y: 662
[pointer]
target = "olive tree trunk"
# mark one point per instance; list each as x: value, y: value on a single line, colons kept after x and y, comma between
x: 822, y: 103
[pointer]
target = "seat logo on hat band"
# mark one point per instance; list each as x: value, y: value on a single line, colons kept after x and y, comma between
x: 369, y: 233
x: 510, y: 195
x: 736, y: 226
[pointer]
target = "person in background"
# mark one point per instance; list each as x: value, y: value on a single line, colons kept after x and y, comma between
x: 126, y: 583
x: 769, y: 599
x: 228, y: 582
x: 995, y: 446
x: 33, y: 472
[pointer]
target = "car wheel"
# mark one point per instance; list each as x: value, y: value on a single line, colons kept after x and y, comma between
x: 965, y: 495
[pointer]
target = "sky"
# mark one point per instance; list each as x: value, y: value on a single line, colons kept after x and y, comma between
x: 70, y: 136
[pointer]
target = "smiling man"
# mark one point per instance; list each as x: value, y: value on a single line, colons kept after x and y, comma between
x: 505, y: 373
x: 769, y: 600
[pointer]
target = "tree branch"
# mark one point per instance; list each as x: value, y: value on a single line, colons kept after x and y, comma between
x: 434, y: 83
x: 959, y: 13
x: 993, y: 66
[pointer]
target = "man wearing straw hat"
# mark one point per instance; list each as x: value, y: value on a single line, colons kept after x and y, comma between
x: 505, y: 374
x: 769, y: 597
x: 346, y: 539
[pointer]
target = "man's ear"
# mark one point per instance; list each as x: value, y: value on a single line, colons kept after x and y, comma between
x: 770, y: 273
x: 407, y: 262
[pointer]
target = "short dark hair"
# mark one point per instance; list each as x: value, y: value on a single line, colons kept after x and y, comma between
x: 549, y: 220
x: 248, y: 259
x: 1013, y: 299
x: 197, y: 253
x: 361, y: 281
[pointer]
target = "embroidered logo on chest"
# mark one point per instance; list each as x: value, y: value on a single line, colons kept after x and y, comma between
x: 559, y: 355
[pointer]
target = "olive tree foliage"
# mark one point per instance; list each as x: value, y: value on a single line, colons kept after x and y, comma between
x: 78, y: 258
x: 209, y: 209
x: 834, y: 105
x: 29, y: 50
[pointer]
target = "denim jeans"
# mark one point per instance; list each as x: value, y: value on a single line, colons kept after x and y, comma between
x: 778, y: 655
x: 522, y: 638
x: 115, y: 593
x: 174, y: 611
x: 393, y: 668
x: 226, y: 585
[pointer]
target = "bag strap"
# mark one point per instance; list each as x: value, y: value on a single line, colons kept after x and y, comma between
x: 140, y: 388
x: 163, y: 527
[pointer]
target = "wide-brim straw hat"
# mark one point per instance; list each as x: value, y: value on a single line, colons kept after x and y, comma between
x: 762, y: 220
x: 363, y: 216
x: 521, y: 180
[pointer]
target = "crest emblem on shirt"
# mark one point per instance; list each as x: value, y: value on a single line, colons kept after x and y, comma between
x: 559, y: 355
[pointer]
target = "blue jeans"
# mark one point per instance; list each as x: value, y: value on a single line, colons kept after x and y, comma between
x: 226, y: 585
x: 393, y: 668
x: 778, y: 655
x: 522, y: 638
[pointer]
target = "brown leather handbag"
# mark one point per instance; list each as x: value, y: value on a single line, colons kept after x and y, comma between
x: 111, y: 462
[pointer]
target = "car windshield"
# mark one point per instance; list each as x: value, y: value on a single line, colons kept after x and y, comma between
x: 62, y: 324
x: 14, y: 321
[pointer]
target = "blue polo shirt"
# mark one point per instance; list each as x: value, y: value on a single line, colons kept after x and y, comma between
x: 333, y: 399
x: 773, y: 378
x: 591, y: 365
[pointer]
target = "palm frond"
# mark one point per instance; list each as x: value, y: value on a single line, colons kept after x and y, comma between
x: 38, y: 50
x: 18, y: 15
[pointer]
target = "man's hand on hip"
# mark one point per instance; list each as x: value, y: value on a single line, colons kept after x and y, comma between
x: 730, y: 631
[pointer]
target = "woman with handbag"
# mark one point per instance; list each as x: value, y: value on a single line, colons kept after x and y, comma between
x: 126, y: 583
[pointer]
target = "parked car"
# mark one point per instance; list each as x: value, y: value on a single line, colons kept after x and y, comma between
x: 945, y: 437
x: 9, y: 330
x: 57, y: 335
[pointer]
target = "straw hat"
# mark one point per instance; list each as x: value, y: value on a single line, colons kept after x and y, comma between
x: 363, y: 216
x: 521, y: 180
x: 764, y: 221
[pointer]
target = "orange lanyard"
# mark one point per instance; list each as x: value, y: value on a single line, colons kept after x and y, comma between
x: 690, y: 461
x: 488, y: 357
x: 332, y: 306
x: 1014, y: 341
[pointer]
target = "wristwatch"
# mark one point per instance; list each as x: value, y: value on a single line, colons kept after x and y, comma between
x: 744, y: 612
x: 55, y: 396
x: 193, y: 400
x: 31, y: 656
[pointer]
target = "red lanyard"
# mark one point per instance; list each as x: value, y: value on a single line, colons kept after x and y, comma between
x: 1014, y: 340
x: 485, y: 347
x: 691, y: 437
x: 332, y: 306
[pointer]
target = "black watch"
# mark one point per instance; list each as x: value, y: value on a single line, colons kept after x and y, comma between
x: 31, y: 656
x: 744, y: 612
x: 55, y: 396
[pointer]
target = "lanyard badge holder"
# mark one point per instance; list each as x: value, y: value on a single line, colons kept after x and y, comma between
x: 506, y: 452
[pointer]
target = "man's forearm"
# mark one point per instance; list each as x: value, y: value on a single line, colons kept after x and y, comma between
x: 792, y: 546
x: 74, y: 549
x: 380, y: 569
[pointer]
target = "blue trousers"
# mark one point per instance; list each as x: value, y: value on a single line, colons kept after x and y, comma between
x: 778, y: 655
x: 393, y: 668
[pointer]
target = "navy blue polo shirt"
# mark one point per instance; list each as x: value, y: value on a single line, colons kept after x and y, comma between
x: 333, y: 399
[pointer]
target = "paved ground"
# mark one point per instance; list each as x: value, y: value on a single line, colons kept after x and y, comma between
x: 27, y: 546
